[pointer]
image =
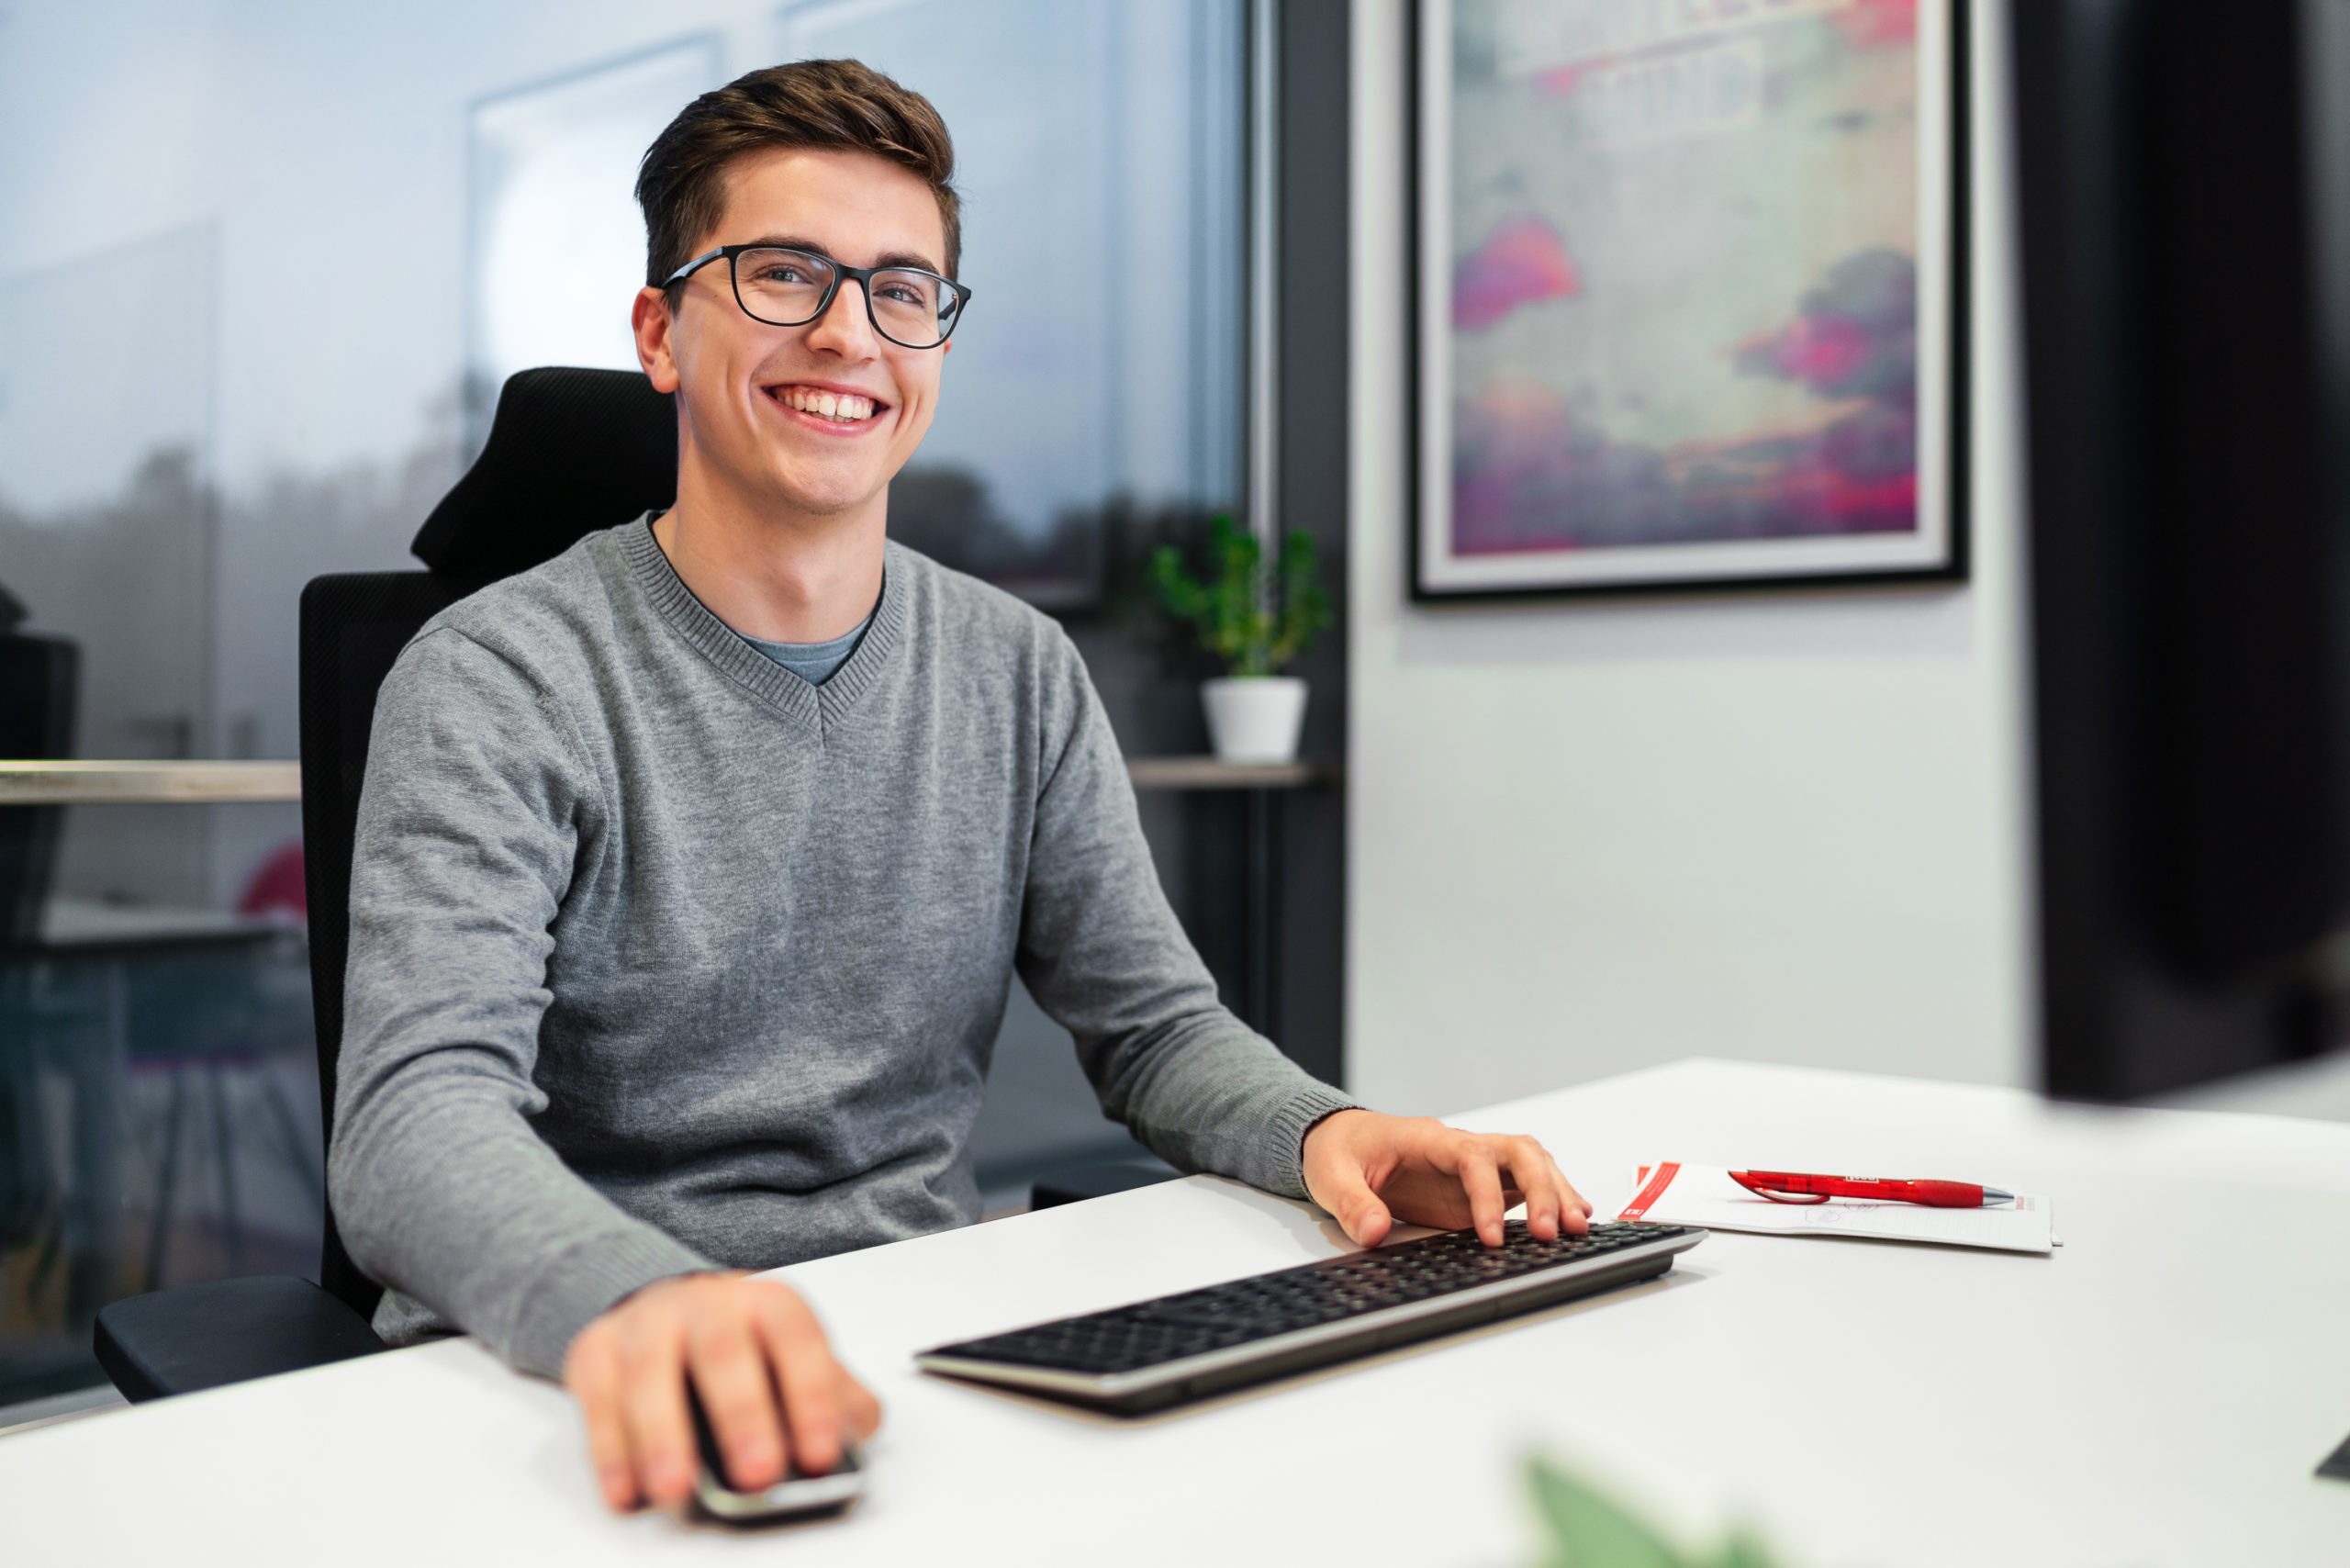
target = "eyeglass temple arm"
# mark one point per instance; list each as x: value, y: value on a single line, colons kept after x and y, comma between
x: 682, y: 273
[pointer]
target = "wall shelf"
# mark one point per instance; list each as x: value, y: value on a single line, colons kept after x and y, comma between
x: 1211, y: 773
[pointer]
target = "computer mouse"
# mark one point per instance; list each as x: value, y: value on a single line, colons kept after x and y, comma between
x: 797, y: 1496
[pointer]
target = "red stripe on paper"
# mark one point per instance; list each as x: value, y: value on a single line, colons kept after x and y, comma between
x: 1653, y: 1192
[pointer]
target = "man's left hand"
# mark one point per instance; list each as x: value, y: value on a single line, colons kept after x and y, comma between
x: 1370, y: 1170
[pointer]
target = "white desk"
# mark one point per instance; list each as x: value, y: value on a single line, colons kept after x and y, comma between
x: 2158, y: 1391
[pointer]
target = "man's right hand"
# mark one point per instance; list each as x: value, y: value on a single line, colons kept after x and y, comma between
x: 743, y: 1341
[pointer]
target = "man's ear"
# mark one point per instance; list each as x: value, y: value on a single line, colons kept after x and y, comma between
x: 649, y: 319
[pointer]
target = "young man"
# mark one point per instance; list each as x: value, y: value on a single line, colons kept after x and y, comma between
x: 693, y: 866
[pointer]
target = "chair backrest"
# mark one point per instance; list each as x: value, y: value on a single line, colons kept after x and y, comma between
x: 353, y: 627
x: 36, y: 687
x: 37, y: 679
x: 569, y: 451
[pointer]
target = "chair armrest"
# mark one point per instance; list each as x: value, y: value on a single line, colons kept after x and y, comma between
x: 178, y: 1341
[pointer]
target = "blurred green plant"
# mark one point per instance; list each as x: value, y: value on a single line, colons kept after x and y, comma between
x: 1590, y: 1530
x: 1254, y: 615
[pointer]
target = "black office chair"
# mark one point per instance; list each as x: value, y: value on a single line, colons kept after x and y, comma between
x: 37, y: 677
x: 569, y: 451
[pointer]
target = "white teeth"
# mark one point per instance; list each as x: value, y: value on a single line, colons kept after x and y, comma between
x: 843, y: 407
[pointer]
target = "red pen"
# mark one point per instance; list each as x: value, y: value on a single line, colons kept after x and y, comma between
x: 1788, y: 1187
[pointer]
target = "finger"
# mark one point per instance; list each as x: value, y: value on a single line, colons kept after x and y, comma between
x: 861, y: 1412
x: 1358, y: 1209
x: 1480, y: 1180
x: 653, y: 1401
x: 1576, y: 1203
x: 805, y: 1370
x: 1546, y: 1200
x: 594, y: 1376
x: 730, y: 1372
x: 1541, y: 1206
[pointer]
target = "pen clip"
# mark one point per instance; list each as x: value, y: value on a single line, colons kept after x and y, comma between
x: 1776, y: 1196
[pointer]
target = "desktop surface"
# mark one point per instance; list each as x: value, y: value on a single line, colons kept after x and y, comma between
x: 2160, y: 1391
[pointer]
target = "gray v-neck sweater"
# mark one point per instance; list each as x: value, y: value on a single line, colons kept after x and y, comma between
x: 663, y: 958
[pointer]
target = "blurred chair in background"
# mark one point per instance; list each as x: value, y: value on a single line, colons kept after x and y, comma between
x: 220, y: 1017
x: 37, y: 681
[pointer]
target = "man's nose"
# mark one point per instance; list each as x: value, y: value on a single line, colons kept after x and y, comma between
x: 844, y: 327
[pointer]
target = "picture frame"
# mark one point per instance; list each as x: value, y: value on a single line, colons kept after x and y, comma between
x: 1689, y: 298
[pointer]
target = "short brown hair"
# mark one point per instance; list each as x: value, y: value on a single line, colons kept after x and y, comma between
x: 841, y: 104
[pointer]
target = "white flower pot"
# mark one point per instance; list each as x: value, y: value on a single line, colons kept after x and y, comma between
x: 1255, y: 718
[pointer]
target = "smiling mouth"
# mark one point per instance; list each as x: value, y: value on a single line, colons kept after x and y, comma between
x: 837, y: 407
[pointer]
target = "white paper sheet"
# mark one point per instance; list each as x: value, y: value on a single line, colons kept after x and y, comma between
x: 1704, y: 1194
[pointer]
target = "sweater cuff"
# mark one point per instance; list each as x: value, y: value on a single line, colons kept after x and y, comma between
x: 583, y: 1283
x: 1285, y: 1154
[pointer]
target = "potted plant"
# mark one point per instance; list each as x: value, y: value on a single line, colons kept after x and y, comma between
x: 1255, y: 616
x: 1587, y: 1527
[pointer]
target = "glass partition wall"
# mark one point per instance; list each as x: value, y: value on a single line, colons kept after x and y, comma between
x: 253, y: 316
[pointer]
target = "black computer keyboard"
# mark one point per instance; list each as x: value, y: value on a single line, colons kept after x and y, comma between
x: 1152, y: 1353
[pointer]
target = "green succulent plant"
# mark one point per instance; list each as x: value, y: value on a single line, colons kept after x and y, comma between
x: 1588, y: 1528
x: 1254, y: 615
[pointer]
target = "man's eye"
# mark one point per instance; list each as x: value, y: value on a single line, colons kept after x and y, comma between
x: 781, y: 274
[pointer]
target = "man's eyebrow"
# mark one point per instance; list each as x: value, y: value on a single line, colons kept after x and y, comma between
x: 894, y: 259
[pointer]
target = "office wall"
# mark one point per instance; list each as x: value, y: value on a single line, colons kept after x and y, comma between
x: 1591, y: 837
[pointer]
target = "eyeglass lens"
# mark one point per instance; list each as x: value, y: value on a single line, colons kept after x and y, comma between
x: 784, y: 287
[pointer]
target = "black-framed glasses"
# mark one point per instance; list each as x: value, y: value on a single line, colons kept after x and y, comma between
x: 788, y: 287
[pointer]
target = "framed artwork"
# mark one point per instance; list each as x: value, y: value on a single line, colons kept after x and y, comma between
x: 1689, y: 296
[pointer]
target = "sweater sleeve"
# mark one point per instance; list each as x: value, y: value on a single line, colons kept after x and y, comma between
x: 1105, y: 957
x: 475, y: 805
